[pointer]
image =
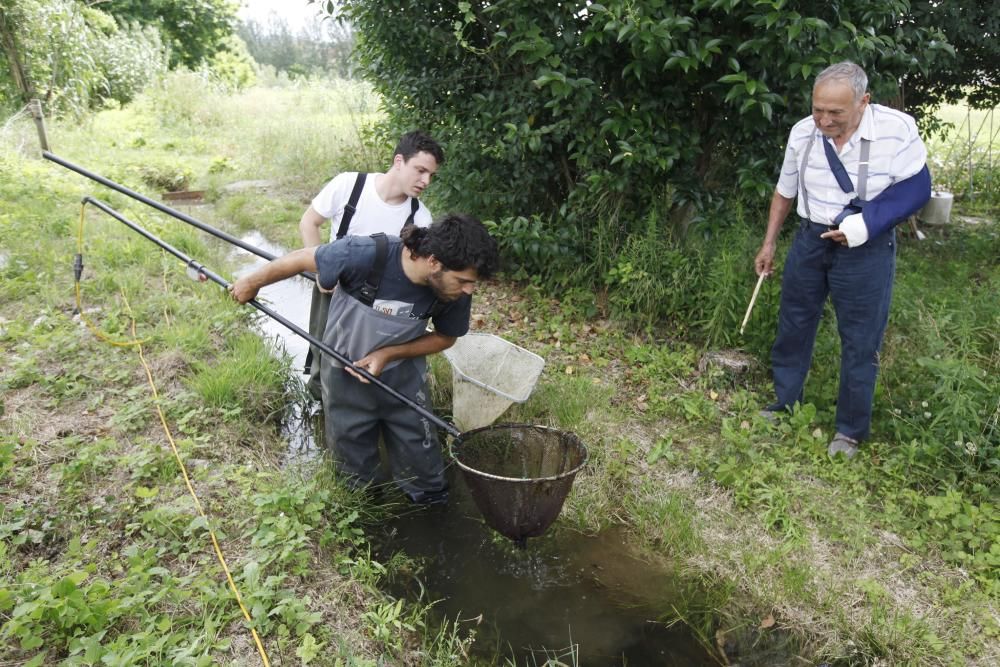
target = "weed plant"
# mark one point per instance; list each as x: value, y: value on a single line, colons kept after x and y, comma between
x: 928, y: 478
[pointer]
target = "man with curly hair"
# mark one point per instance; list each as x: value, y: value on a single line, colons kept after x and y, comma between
x: 388, y: 289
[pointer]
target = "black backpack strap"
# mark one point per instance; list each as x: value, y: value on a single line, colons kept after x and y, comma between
x: 374, y: 279
x: 414, y: 207
x: 352, y: 205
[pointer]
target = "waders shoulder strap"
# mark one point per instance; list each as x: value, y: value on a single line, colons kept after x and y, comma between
x: 837, y: 167
x: 414, y: 207
x: 352, y: 205
x: 857, y: 204
x: 374, y: 279
x: 318, y: 297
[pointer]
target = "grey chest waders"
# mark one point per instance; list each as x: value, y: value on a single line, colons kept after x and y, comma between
x: 358, y: 415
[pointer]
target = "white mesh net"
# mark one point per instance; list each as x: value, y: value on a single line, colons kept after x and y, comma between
x: 488, y: 375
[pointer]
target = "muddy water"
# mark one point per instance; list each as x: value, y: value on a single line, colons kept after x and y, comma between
x: 582, y: 600
x: 566, y: 597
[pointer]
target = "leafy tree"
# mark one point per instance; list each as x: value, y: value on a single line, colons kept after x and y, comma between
x: 51, y: 52
x: 600, y: 113
x: 233, y: 67
x: 195, y: 30
x: 12, y: 20
x: 322, y: 47
x: 130, y: 58
x: 74, y: 57
x: 973, y: 29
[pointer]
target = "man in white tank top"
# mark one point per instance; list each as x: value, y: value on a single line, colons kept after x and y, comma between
x: 386, y: 200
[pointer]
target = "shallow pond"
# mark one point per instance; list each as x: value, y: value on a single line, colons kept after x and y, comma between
x: 584, y: 600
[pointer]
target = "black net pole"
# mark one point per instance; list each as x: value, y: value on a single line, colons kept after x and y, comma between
x: 163, y: 208
x: 208, y: 274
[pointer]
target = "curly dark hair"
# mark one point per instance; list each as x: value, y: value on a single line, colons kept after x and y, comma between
x: 458, y: 241
x: 415, y: 142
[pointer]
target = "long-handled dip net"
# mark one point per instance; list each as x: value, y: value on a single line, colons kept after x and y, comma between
x: 519, y: 475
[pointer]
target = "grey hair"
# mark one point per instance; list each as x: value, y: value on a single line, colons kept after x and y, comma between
x: 845, y: 72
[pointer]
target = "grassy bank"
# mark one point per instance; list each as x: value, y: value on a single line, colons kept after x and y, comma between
x: 889, y: 559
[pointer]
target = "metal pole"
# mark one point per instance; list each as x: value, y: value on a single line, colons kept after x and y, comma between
x: 163, y: 208
x: 972, y: 192
x: 989, y: 155
x: 206, y: 274
x: 35, y: 106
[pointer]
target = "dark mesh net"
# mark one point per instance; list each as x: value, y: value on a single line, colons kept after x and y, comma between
x: 519, y: 475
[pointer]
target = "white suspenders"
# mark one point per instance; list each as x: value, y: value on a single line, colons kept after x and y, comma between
x: 862, y: 187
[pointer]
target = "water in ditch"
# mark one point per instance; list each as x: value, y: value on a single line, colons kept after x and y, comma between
x: 566, y: 598
x: 290, y: 299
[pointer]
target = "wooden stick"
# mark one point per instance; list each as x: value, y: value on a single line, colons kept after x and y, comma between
x: 35, y: 106
x: 753, y: 298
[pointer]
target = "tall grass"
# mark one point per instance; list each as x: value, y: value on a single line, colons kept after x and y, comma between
x: 102, y: 558
x: 298, y: 136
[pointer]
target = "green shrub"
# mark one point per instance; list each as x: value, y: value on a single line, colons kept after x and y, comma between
x: 131, y: 59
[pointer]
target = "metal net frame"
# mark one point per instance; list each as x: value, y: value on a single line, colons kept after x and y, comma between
x: 519, y: 475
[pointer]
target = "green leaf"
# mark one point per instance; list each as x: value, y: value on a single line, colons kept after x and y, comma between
x: 197, y: 523
x: 308, y: 649
x: 69, y: 583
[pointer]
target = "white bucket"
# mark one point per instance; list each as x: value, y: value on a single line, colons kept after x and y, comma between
x: 488, y: 375
x: 937, y: 211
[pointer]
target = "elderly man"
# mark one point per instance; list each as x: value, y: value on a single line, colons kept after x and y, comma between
x: 857, y: 170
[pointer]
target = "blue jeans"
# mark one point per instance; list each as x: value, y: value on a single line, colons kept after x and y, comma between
x: 859, y: 283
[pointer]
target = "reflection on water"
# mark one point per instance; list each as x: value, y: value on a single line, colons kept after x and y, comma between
x: 289, y: 298
x: 582, y: 600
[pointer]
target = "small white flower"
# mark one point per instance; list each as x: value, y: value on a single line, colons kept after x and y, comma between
x: 923, y: 404
x: 927, y: 415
